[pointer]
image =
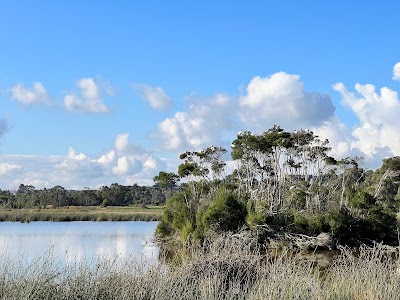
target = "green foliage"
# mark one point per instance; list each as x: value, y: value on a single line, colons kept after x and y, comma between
x: 362, y: 200
x: 226, y: 213
x: 186, y: 231
x: 187, y: 169
x: 392, y: 163
x: 297, y: 195
x: 166, y: 180
x: 338, y: 223
x: 176, y: 216
x: 310, y: 224
x: 256, y: 213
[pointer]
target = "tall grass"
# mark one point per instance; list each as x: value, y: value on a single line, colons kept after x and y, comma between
x: 226, y: 269
x: 75, y: 213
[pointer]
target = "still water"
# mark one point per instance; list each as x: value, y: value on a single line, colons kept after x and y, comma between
x: 75, y: 242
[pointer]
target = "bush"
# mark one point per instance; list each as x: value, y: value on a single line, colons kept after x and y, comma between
x: 175, y: 217
x: 256, y: 214
x: 225, y: 213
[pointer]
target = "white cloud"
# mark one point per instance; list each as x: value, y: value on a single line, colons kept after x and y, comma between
x: 91, y: 98
x: 339, y: 137
x: 204, y: 123
x: 281, y: 99
x: 121, y: 142
x: 379, y: 124
x: 396, y: 71
x: 169, y: 132
x: 108, y: 158
x: 72, y: 155
x: 127, y: 165
x: 75, y: 170
x: 77, y: 166
x: 30, y: 96
x: 122, y: 145
x: 150, y: 163
x: 106, y: 86
x: 6, y: 168
x: 29, y: 169
x: 278, y: 99
x: 155, y: 96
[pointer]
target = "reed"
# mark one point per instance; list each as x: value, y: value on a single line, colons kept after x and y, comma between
x: 76, y: 213
x: 226, y: 269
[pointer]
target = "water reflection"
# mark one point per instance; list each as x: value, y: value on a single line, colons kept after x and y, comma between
x: 75, y: 242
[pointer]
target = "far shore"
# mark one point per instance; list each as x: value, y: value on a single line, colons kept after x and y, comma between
x: 82, y: 213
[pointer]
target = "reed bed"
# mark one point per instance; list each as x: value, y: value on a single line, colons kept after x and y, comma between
x: 75, y: 213
x: 225, y: 269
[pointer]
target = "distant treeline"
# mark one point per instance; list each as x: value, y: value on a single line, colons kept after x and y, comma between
x: 27, y: 196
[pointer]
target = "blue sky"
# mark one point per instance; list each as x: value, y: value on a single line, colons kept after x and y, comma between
x: 96, y: 92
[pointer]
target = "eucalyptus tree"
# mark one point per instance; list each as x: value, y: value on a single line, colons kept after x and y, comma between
x: 59, y: 196
x: 200, y: 169
x: 387, y: 180
x: 277, y: 163
x: 167, y: 181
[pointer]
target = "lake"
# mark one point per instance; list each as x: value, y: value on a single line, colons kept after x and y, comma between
x: 75, y: 242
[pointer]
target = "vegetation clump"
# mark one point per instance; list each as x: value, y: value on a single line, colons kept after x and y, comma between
x: 285, y: 185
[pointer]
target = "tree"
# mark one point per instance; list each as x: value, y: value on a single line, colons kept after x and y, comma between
x: 201, y: 168
x: 167, y: 182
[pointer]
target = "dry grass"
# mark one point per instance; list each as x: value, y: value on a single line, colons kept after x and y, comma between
x: 82, y: 213
x: 226, y: 269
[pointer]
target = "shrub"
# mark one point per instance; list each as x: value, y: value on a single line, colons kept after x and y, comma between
x: 256, y: 214
x: 175, y: 217
x: 225, y: 213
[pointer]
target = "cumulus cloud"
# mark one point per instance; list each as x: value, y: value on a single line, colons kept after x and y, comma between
x: 6, y: 168
x: 127, y: 165
x: 30, y: 96
x: 281, y: 99
x: 77, y: 166
x: 122, y: 145
x: 107, y: 158
x: 155, y: 96
x: 396, y: 71
x: 339, y: 136
x: 377, y: 113
x: 278, y: 99
x: 121, y: 142
x: 150, y: 163
x: 75, y: 170
x: 90, y: 101
x: 203, y: 124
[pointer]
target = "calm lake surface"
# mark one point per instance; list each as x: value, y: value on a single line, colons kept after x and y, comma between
x: 75, y: 242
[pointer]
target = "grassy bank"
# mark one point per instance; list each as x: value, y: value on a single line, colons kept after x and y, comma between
x: 82, y: 213
x: 229, y: 269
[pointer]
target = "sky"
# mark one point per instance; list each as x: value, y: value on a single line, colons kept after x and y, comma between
x: 100, y: 92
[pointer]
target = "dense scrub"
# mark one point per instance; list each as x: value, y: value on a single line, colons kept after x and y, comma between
x: 227, y: 268
x: 285, y: 183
